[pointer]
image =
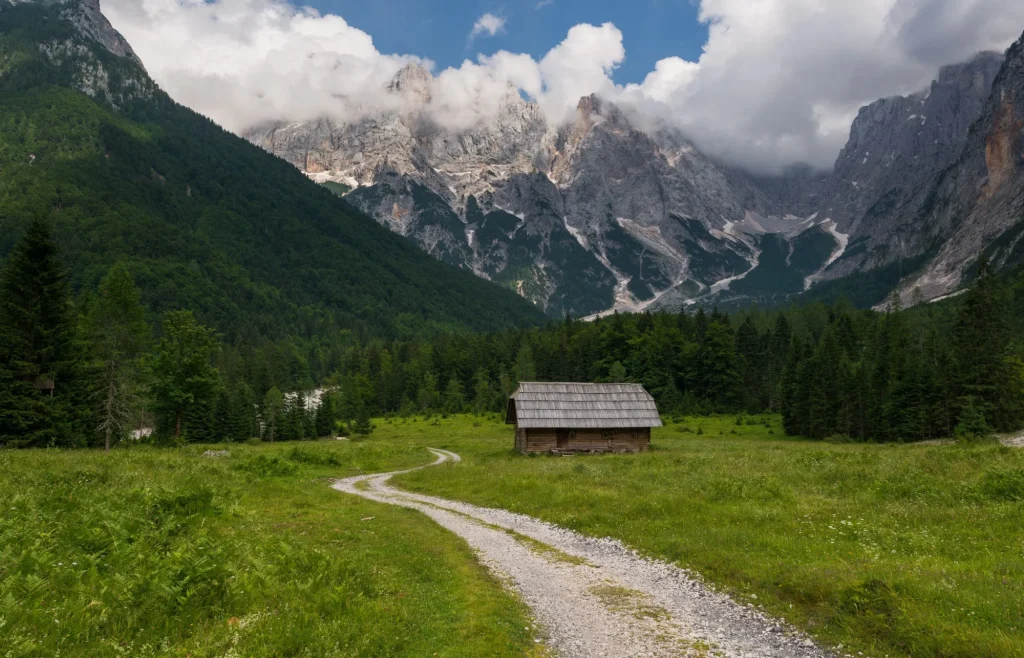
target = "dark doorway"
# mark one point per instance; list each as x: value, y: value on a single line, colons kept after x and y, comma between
x: 563, y: 437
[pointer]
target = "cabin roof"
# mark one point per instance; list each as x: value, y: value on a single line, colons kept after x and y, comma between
x: 584, y: 406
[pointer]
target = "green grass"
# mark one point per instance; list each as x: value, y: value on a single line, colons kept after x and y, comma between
x: 891, y: 550
x: 148, y: 552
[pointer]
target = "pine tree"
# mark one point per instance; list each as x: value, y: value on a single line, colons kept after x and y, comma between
x: 525, y: 368
x: 484, y: 396
x: 427, y: 395
x: 779, y: 345
x: 717, y: 374
x: 982, y: 349
x: 752, y: 366
x: 363, y: 426
x: 309, y: 421
x: 325, y: 415
x: 43, y: 394
x: 295, y: 418
x: 119, y: 336
x: 184, y: 379
x: 454, y: 398
x: 617, y: 373
x: 273, y: 414
x: 241, y: 413
x: 972, y: 424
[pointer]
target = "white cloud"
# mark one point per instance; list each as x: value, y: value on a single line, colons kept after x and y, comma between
x: 246, y: 61
x: 488, y: 24
x: 779, y: 81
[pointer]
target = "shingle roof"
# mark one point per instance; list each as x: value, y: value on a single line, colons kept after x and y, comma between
x: 566, y: 405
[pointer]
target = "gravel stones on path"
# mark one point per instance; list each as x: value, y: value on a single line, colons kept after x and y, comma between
x: 596, y: 597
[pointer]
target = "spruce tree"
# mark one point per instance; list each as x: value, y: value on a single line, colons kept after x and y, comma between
x: 44, y: 399
x: 427, y: 396
x: 272, y: 418
x: 325, y: 415
x: 295, y: 418
x: 982, y: 349
x: 484, y: 396
x: 363, y: 426
x: 241, y: 413
x: 119, y: 336
x: 972, y: 424
x: 717, y: 372
x: 525, y: 368
x: 752, y: 366
x: 778, y: 355
x: 185, y: 381
x: 454, y: 397
x: 309, y: 421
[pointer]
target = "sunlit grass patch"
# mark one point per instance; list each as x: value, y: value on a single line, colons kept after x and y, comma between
x: 148, y: 552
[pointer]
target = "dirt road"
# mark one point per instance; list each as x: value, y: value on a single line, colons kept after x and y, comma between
x: 595, y: 597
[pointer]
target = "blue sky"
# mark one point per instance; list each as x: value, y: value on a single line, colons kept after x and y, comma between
x: 438, y: 29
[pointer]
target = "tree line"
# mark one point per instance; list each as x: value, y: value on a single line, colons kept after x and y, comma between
x: 831, y: 371
x: 88, y: 371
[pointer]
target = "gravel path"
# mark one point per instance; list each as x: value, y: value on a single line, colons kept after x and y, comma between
x: 595, y: 597
x: 1015, y: 441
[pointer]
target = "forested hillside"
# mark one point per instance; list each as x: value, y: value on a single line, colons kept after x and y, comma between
x: 202, y: 219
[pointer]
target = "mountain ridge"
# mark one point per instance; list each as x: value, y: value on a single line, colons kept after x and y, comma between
x: 204, y: 219
x: 668, y: 224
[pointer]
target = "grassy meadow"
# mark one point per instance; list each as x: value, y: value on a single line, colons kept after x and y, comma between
x: 150, y: 552
x: 894, y: 550
x: 912, y: 550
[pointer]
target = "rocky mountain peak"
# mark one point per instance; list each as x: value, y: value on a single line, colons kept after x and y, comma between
x: 979, y: 205
x: 90, y: 22
x: 972, y: 72
x: 81, y: 56
x: 606, y: 211
x: 413, y: 81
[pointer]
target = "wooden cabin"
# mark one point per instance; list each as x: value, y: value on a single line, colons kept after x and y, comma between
x: 571, y: 418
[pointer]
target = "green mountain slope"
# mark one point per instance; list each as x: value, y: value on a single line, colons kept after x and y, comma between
x: 204, y: 219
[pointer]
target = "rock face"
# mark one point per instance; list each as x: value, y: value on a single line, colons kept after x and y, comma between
x: 977, y: 206
x: 597, y: 214
x: 898, y: 148
x: 98, y: 61
x: 580, y: 218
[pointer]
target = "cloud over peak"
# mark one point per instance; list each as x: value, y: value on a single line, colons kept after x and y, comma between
x: 779, y: 81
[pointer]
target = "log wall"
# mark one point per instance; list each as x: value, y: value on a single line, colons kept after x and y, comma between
x: 586, y: 440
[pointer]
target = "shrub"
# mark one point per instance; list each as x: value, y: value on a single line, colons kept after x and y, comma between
x: 263, y: 466
x: 313, y: 457
x: 1004, y: 485
x: 971, y: 424
x: 183, y: 503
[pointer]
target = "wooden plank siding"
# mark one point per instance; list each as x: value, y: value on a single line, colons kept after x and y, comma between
x: 533, y: 440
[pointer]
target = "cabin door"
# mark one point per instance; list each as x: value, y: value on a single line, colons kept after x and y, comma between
x: 562, y: 437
